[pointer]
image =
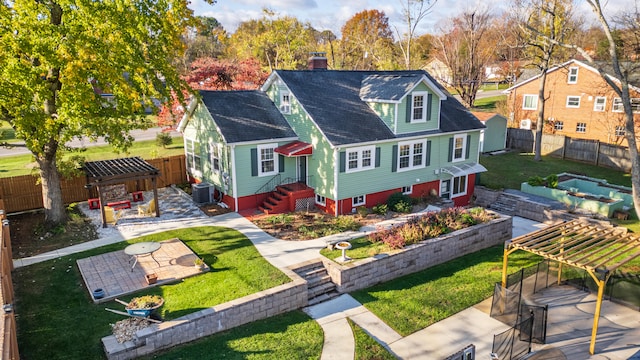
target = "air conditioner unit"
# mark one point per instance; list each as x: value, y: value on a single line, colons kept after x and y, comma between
x: 525, y: 124
x: 201, y: 193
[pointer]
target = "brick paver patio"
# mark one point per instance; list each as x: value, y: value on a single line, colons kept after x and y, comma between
x: 112, y: 271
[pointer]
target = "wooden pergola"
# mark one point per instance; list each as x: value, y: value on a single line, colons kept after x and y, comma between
x: 597, y: 250
x: 116, y: 171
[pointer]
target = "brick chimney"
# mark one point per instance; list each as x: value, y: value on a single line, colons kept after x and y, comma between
x: 318, y: 61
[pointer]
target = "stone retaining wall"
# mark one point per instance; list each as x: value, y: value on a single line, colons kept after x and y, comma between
x: 262, y: 305
x: 367, y: 272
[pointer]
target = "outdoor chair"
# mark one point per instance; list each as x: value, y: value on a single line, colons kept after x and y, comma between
x: 148, y: 209
x: 111, y: 216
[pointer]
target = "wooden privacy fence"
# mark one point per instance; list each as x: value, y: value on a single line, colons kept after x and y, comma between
x: 564, y: 147
x: 21, y: 193
x: 9, y: 332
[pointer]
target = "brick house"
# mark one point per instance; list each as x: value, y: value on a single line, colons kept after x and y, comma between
x: 580, y: 104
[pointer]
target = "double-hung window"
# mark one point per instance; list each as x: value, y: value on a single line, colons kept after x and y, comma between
x: 573, y: 101
x: 267, y: 160
x: 573, y: 75
x: 419, y: 107
x: 362, y: 158
x: 411, y: 155
x: 192, y: 149
x: 216, y: 152
x: 285, y: 102
x: 600, y: 103
x: 459, y: 146
x: 618, y: 107
x: 530, y: 102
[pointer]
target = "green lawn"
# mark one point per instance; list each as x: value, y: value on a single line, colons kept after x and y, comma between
x: 289, y: 336
x: 509, y: 170
x: 57, y: 319
x: 415, y: 301
x: 488, y: 103
x: 367, y: 348
x: 23, y: 164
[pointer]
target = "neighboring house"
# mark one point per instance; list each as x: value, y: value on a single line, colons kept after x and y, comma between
x: 335, y: 140
x: 439, y: 70
x: 580, y: 104
x: 494, y: 137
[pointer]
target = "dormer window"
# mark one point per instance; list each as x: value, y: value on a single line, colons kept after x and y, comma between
x: 285, y: 102
x: 419, y: 107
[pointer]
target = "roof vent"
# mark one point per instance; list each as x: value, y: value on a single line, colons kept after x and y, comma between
x: 318, y: 61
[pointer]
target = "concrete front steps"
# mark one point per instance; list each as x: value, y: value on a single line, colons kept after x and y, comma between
x: 505, y: 204
x: 319, y: 285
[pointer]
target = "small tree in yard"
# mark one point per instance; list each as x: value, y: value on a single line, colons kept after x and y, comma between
x: 164, y: 139
x: 58, y: 58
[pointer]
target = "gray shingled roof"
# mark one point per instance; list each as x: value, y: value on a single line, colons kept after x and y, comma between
x: 387, y: 87
x: 246, y: 116
x: 332, y: 99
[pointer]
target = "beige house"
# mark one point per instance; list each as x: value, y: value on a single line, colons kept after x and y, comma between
x: 580, y: 104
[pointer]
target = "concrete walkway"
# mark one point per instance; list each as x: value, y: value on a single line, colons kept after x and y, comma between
x: 470, y: 326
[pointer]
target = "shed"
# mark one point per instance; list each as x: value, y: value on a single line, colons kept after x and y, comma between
x: 494, y: 137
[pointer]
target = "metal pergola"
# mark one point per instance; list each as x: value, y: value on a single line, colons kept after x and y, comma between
x: 599, y: 251
x: 116, y: 171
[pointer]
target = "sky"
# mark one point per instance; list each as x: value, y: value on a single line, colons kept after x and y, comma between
x: 332, y: 14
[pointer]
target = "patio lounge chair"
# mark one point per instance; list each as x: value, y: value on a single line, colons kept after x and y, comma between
x: 148, y: 209
x: 111, y: 216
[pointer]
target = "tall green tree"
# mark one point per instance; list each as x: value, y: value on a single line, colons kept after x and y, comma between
x: 278, y: 42
x: 59, y: 56
x: 367, y: 42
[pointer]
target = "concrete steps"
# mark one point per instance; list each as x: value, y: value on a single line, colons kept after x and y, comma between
x: 505, y: 204
x: 319, y: 285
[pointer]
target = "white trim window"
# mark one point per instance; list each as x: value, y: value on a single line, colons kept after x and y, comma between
x: 321, y: 200
x: 572, y: 77
x: 529, y: 102
x: 411, y: 155
x: 599, y: 103
x: 459, y: 147
x: 459, y: 186
x: 618, y: 107
x: 407, y: 190
x: 359, y: 200
x: 620, y: 131
x: 267, y: 160
x: 419, y: 106
x: 581, y: 127
x: 361, y: 158
x: 192, y: 150
x: 573, y: 101
x: 285, y: 102
x: 558, y: 125
x: 216, y: 154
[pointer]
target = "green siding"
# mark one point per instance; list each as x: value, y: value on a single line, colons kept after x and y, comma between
x: 405, y: 127
x: 387, y: 113
x: 248, y: 184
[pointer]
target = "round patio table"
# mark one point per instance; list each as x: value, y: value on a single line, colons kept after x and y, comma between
x: 142, y: 249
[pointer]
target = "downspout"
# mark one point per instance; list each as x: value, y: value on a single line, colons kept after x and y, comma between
x: 233, y: 177
x: 336, y: 169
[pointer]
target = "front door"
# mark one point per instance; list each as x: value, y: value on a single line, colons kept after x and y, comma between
x: 302, y: 169
x: 445, y: 189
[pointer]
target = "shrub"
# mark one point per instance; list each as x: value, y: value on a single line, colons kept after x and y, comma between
x: 403, y: 207
x: 164, y: 139
x: 535, y: 181
x: 345, y: 223
x: 380, y: 209
x: 362, y: 211
x: 552, y: 181
x: 396, y: 198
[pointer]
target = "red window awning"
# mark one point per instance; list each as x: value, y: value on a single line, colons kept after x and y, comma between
x: 296, y: 148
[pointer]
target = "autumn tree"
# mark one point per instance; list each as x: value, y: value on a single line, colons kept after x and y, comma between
x: 57, y: 54
x: 544, y: 23
x: 205, y: 39
x: 214, y: 74
x: 277, y: 42
x: 413, y: 12
x: 367, y: 42
x: 463, y: 46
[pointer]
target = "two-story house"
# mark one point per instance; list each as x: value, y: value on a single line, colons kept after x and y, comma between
x: 335, y: 140
x: 579, y: 104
